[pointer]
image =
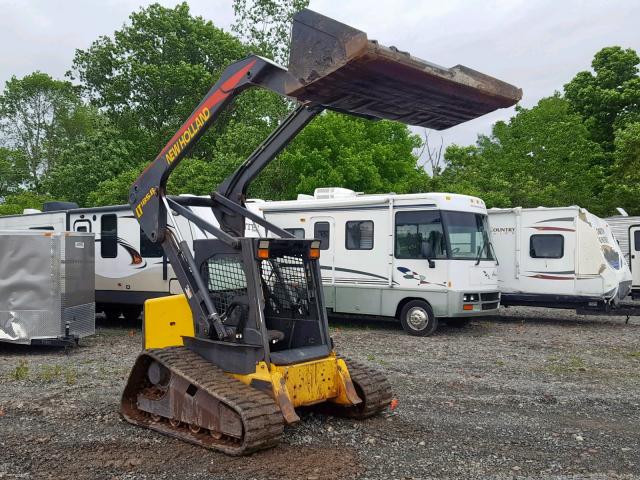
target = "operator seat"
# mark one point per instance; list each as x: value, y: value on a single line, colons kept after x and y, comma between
x: 236, y: 316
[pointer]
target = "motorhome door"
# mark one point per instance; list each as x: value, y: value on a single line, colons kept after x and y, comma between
x: 634, y: 254
x: 420, y: 250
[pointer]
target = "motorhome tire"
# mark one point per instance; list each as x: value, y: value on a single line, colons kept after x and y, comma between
x: 417, y: 318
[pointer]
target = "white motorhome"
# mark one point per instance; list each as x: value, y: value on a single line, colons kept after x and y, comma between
x: 557, y: 257
x: 129, y: 268
x: 415, y: 257
x: 626, y: 229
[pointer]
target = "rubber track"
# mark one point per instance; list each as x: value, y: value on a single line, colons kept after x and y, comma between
x: 261, y: 418
x: 372, y: 387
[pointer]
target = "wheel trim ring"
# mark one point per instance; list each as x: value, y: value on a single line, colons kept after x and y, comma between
x: 417, y: 318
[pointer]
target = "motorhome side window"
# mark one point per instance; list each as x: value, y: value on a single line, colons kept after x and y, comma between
x: 359, y: 235
x: 296, y: 232
x: 109, y: 236
x: 420, y: 235
x: 148, y: 248
x: 321, y: 231
x: 636, y: 240
x: 546, y: 246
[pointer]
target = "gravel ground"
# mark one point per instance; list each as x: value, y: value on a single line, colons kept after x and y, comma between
x: 531, y: 393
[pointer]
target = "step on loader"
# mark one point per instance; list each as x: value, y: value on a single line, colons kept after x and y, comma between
x: 226, y: 364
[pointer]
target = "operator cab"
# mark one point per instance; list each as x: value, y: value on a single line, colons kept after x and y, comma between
x: 283, y: 275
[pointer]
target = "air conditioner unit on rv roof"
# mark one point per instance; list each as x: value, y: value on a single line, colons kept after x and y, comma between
x: 333, y: 192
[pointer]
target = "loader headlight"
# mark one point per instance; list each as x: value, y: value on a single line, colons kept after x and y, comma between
x: 470, y: 297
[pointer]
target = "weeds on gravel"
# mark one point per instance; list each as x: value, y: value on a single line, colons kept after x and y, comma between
x: 56, y: 373
x: 21, y: 371
x: 70, y: 376
x: 49, y: 373
x: 560, y: 366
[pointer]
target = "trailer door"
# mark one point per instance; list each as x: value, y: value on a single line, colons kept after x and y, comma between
x: 634, y: 250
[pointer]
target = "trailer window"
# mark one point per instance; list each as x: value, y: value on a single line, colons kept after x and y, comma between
x: 420, y: 235
x: 636, y: 240
x: 148, y: 248
x: 359, y: 235
x: 297, y: 232
x: 109, y: 236
x: 546, y: 246
x: 322, y: 231
x: 41, y: 228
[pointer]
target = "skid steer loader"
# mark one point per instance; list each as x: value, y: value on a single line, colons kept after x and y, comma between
x: 226, y: 364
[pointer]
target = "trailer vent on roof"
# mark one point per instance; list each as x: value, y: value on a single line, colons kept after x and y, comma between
x: 333, y: 192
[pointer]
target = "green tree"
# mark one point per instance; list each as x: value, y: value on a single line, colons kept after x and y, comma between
x: 266, y: 25
x: 38, y: 117
x: 12, y: 171
x: 622, y: 188
x: 150, y: 75
x: 337, y: 150
x: 542, y: 157
x: 609, y: 97
x: 114, y: 191
x: 14, y: 204
x: 99, y: 155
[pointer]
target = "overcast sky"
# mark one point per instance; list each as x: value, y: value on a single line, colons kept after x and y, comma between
x: 536, y: 45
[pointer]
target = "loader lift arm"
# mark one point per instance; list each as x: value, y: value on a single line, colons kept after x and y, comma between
x: 331, y: 66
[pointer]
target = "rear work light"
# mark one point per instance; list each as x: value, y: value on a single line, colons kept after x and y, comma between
x: 263, y: 249
x: 314, y: 252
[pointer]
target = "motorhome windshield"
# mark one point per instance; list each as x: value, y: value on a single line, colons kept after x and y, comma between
x: 435, y: 234
x: 467, y: 235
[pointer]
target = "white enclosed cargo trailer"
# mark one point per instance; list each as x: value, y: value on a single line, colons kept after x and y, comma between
x: 558, y: 257
x: 416, y: 257
x: 46, y: 287
x: 129, y: 268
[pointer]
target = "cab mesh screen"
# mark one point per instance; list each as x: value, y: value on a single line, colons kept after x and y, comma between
x: 226, y: 280
x: 285, y: 284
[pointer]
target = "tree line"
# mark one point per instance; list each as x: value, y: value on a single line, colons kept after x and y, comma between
x: 85, y: 138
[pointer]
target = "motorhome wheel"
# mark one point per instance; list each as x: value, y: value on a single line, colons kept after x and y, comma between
x: 417, y: 318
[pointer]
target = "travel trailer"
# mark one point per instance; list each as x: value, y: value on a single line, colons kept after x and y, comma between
x: 626, y: 230
x: 559, y: 258
x: 129, y: 268
x: 417, y: 257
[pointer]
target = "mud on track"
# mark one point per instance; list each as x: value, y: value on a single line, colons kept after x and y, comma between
x: 531, y: 393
